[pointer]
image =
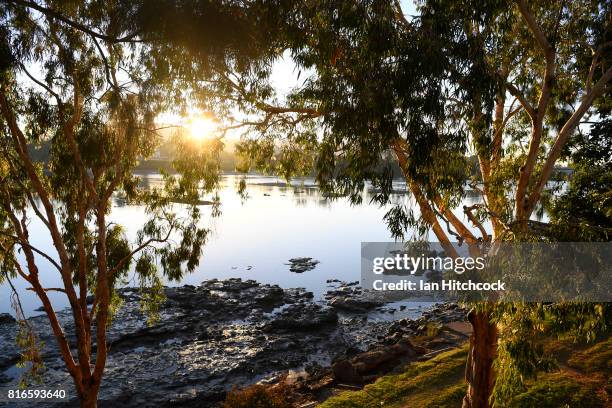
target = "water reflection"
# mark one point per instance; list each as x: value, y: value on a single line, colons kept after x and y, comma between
x: 254, y: 238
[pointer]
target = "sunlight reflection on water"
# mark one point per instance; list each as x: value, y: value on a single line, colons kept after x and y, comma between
x: 254, y: 239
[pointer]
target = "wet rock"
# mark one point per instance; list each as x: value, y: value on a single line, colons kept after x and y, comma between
x: 217, y: 335
x: 349, y: 297
x: 301, y: 265
x: 433, y: 276
x: 230, y: 285
x: 352, y: 304
x: 301, y: 317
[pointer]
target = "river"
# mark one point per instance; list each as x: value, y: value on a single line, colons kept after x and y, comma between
x: 255, y: 238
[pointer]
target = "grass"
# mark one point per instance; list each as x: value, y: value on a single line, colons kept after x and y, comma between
x: 593, y: 359
x: 438, y: 383
x: 582, y: 381
x: 441, y: 376
x: 561, y: 389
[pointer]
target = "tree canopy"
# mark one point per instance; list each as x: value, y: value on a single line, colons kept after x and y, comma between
x: 507, y: 82
x: 74, y: 77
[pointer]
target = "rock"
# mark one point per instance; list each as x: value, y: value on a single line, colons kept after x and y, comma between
x: 301, y: 265
x: 433, y: 276
x: 301, y: 317
x: 345, y: 371
x: 226, y: 333
x: 351, y: 304
x: 6, y: 318
x: 270, y: 380
x: 379, y: 359
x: 4, y: 378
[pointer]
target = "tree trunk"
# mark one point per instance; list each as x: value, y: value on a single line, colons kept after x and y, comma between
x: 479, y: 373
x: 88, y: 398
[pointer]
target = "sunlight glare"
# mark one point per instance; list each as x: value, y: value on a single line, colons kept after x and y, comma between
x: 202, y: 128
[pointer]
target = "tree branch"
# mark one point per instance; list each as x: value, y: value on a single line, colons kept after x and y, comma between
x: 142, y: 246
x: 534, y: 27
x: 58, y: 16
x: 48, y: 290
x: 33, y: 248
x: 521, y: 98
x: 563, y: 136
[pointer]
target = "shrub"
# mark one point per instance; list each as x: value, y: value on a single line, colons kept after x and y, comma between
x: 258, y: 396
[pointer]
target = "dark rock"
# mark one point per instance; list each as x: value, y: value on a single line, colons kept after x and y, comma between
x: 351, y: 304
x: 301, y: 265
x: 300, y: 317
x: 433, y: 276
x: 220, y: 334
x: 345, y: 371
x: 6, y: 318
x: 377, y: 360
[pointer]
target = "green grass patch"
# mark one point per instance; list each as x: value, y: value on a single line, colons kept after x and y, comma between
x: 434, y: 383
x: 447, y: 397
x: 597, y: 358
x: 439, y: 382
x: 560, y: 389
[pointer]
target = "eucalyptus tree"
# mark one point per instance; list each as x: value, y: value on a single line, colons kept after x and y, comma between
x: 510, y: 82
x: 71, y: 77
x: 591, y: 182
x: 376, y: 85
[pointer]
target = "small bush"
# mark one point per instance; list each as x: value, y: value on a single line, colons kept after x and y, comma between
x: 258, y: 396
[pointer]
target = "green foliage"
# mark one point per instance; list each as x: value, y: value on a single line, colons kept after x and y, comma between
x: 151, y: 288
x: 29, y: 343
x: 96, y: 129
x: 525, y: 326
x: 30, y: 359
x: 78, y: 105
x: 590, y: 183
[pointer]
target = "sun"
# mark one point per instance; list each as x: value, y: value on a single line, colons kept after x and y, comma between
x: 202, y: 128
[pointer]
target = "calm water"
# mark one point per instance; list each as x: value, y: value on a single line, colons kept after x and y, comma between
x: 254, y: 238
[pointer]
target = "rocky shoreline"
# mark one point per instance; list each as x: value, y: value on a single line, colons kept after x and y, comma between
x: 234, y: 333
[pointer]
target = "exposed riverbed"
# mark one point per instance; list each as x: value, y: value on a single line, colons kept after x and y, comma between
x: 221, y: 334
